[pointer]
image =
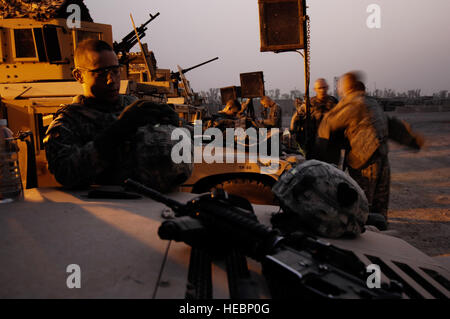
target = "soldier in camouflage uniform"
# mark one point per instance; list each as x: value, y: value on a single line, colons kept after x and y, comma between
x: 227, y: 116
x: 271, y: 113
x: 98, y: 139
x: 367, y: 129
x: 319, y: 106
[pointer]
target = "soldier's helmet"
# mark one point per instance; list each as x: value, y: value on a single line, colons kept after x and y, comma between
x: 323, y: 198
x: 153, y: 165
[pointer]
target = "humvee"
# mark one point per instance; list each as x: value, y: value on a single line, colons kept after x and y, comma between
x: 36, y: 63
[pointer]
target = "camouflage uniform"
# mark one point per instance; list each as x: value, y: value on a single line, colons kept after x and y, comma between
x: 318, y: 109
x: 75, y: 161
x: 272, y: 116
x: 367, y: 129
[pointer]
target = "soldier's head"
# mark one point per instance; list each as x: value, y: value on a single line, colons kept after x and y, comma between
x: 348, y: 83
x: 321, y: 88
x: 97, y: 69
x: 266, y: 101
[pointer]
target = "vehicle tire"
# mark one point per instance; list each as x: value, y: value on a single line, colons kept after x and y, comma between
x: 257, y: 192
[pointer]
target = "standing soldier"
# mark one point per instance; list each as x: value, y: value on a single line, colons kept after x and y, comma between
x: 320, y: 105
x: 366, y: 129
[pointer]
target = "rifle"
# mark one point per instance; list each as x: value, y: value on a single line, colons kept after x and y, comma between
x: 295, y: 266
x: 176, y: 75
x: 130, y: 40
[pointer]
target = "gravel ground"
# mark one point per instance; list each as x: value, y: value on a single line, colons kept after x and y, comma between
x: 419, y: 207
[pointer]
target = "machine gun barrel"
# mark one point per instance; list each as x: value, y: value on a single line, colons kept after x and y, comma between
x: 176, y: 75
x: 130, y: 39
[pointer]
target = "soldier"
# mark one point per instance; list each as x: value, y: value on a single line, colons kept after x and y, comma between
x: 271, y: 114
x: 98, y: 140
x: 227, y: 116
x: 320, y: 105
x: 367, y: 130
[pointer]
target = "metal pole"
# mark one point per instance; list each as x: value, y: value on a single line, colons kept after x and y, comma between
x: 308, y: 143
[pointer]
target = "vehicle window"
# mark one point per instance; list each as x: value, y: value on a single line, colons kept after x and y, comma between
x: 52, y: 44
x: 24, y: 43
x: 40, y: 44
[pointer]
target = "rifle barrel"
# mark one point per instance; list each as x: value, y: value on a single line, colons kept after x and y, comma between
x: 153, y: 194
x: 198, y: 65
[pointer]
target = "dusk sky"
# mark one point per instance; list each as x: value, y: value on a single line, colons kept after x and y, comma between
x: 411, y: 50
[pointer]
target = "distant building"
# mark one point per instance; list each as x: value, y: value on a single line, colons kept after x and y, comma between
x: 335, y: 84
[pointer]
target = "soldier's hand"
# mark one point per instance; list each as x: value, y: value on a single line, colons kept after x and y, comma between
x: 139, y: 113
x: 144, y: 112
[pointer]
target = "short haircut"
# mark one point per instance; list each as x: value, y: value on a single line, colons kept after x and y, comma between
x: 321, y: 80
x: 92, y: 45
x: 266, y: 99
x: 353, y: 78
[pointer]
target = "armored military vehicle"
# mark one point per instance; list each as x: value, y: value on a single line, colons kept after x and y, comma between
x: 36, y: 63
x: 36, y: 60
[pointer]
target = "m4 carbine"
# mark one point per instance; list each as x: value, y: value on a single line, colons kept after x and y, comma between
x: 295, y: 266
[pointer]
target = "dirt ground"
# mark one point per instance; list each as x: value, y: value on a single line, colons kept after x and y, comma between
x: 419, y: 210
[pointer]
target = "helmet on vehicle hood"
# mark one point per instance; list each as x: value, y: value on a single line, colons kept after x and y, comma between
x: 325, y: 199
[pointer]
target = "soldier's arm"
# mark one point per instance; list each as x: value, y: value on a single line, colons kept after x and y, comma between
x: 402, y: 133
x: 274, y: 115
x: 73, y: 162
x: 339, y: 118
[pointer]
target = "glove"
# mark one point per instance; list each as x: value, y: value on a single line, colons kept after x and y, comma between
x: 143, y: 112
x: 139, y: 113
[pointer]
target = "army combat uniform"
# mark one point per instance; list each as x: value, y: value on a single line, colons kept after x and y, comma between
x: 318, y: 109
x: 271, y: 117
x: 367, y: 129
x: 75, y: 161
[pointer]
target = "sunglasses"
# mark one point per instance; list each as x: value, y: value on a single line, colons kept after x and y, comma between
x: 103, y: 72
